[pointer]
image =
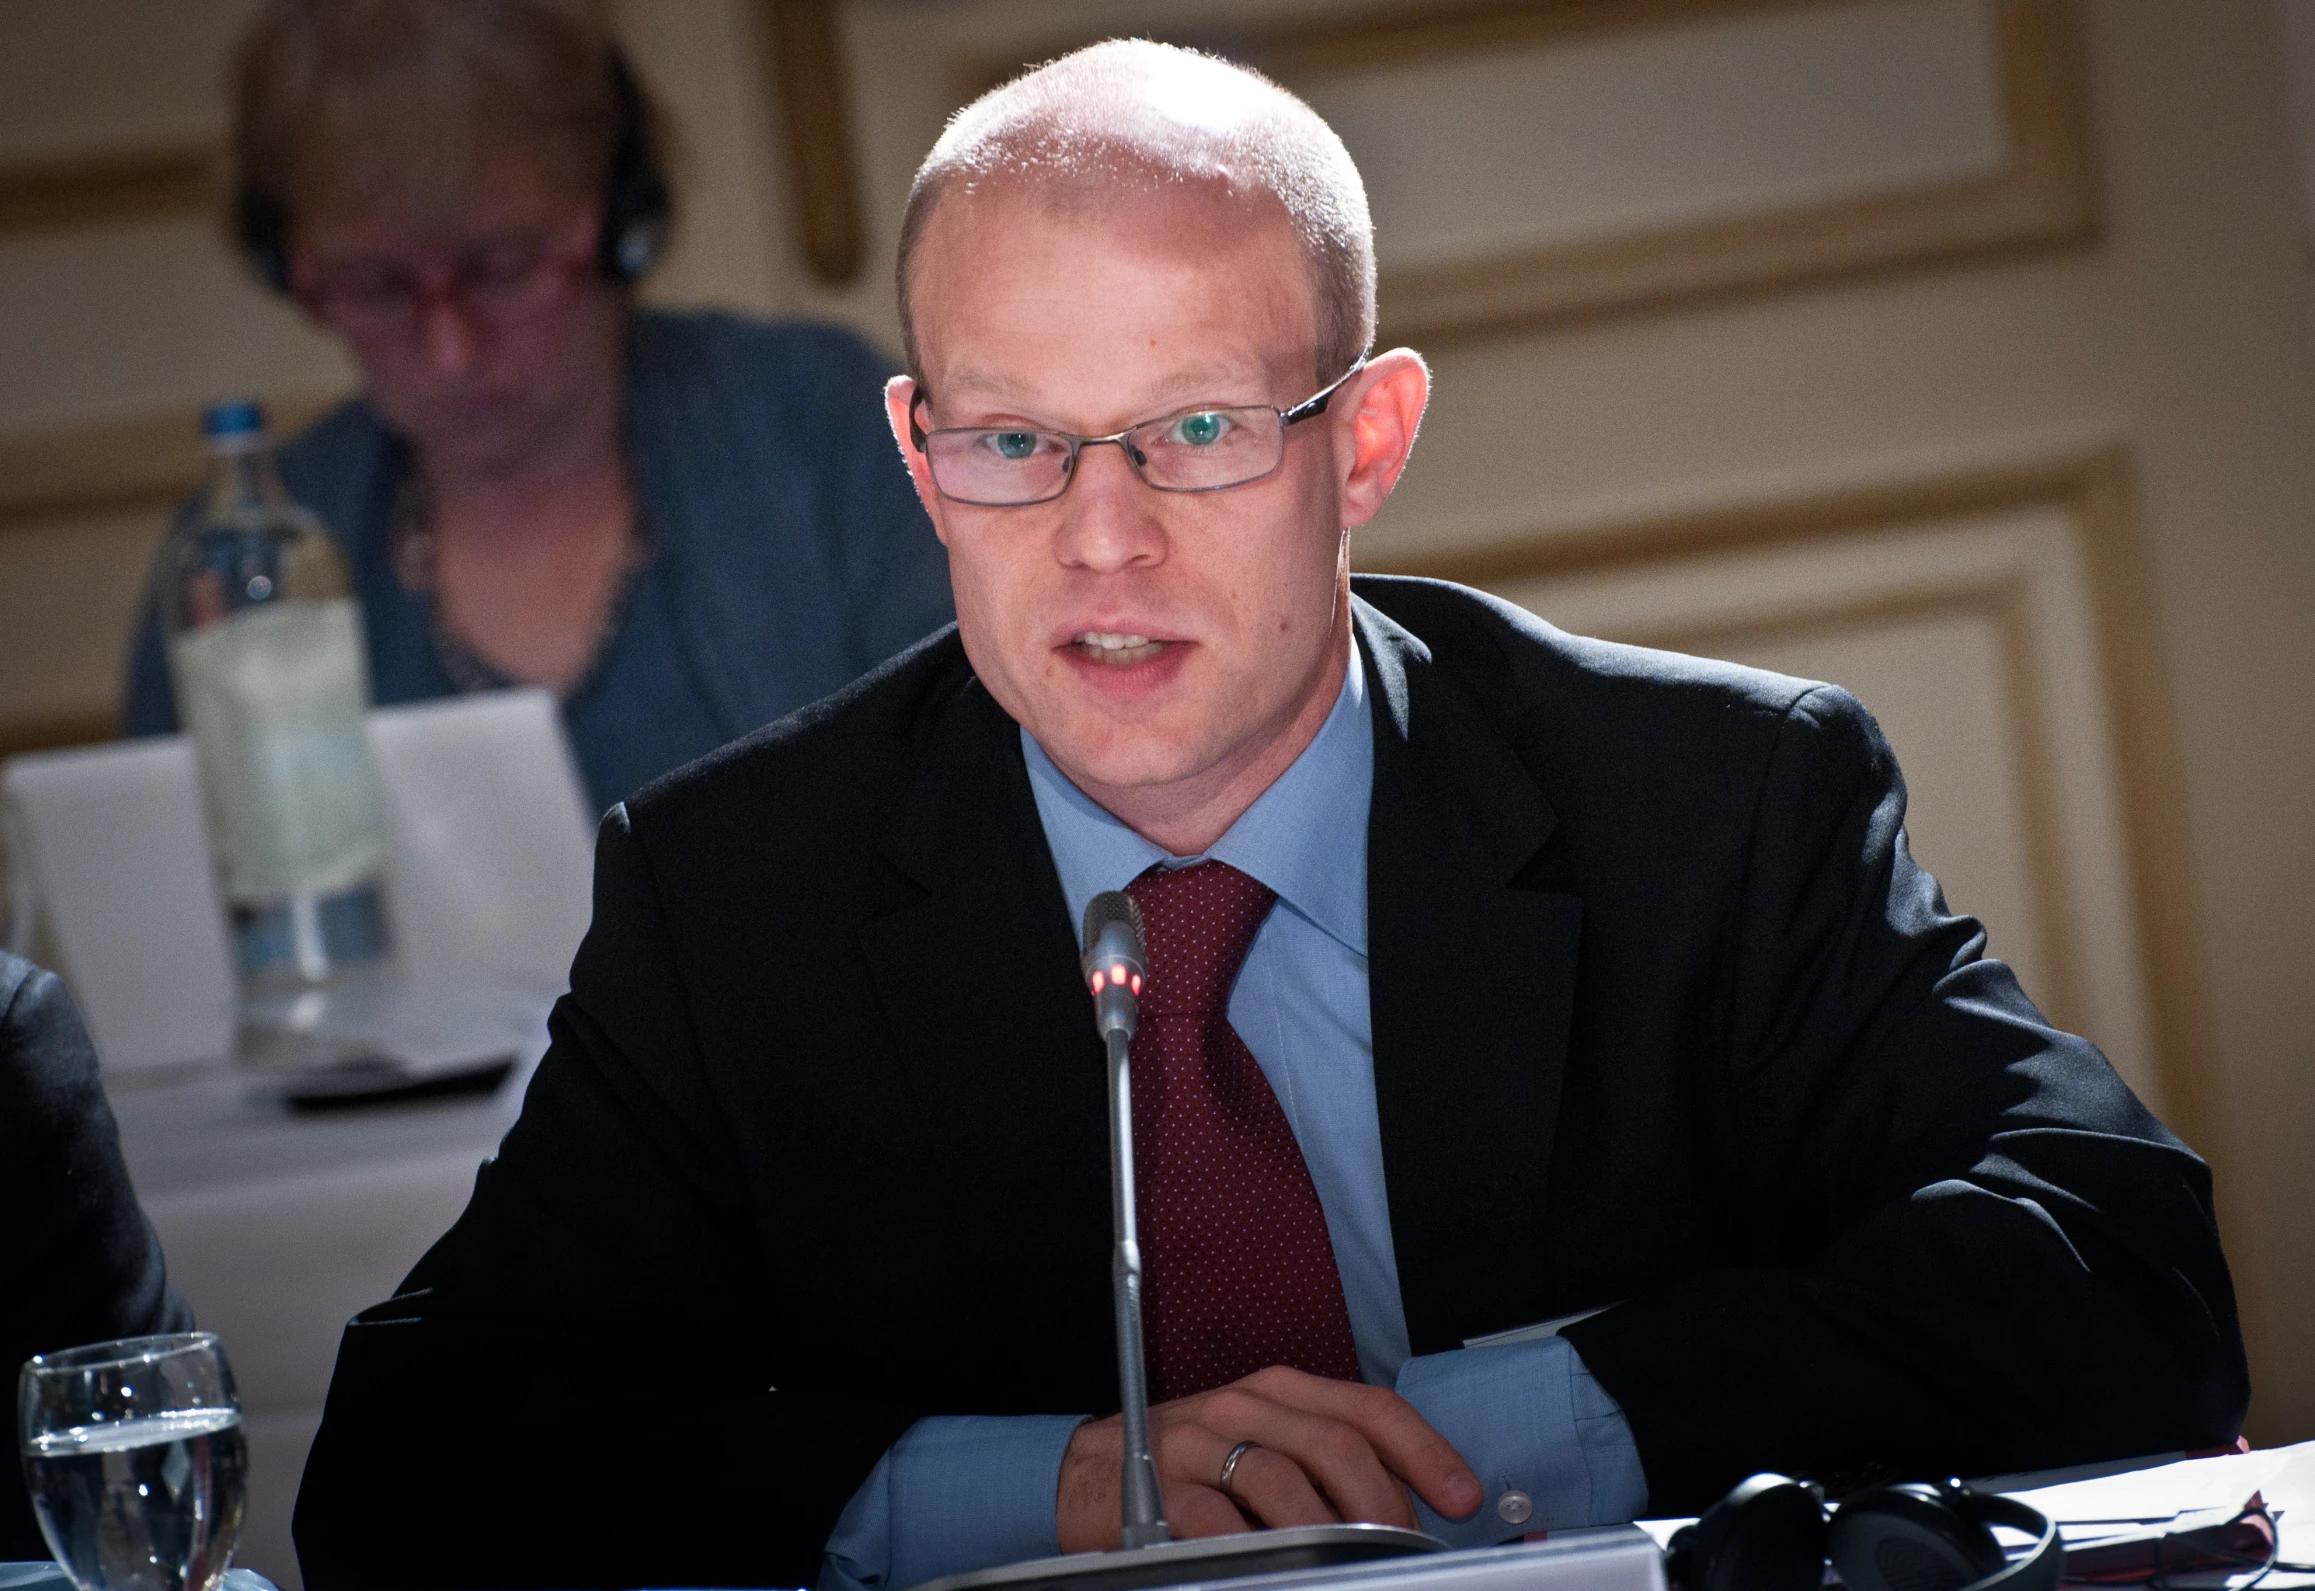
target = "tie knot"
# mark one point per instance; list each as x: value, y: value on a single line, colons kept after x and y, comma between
x: 1199, y: 923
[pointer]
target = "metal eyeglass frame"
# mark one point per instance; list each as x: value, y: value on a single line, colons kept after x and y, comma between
x: 1315, y: 404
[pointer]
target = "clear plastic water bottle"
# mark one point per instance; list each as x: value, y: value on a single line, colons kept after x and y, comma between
x: 272, y: 677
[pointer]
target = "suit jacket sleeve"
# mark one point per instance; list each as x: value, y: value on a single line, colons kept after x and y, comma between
x: 574, y: 1387
x: 78, y: 1260
x: 1977, y: 1250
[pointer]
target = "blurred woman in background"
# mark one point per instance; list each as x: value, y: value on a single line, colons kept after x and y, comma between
x: 683, y: 524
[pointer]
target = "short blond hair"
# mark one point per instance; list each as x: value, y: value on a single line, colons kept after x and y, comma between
x: 1130, y: 113
x: 410, y: 85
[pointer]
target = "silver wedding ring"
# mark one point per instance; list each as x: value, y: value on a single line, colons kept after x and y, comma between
x: 1230, y: 1463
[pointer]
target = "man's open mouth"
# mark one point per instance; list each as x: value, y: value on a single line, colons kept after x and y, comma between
x: 1122, y: 650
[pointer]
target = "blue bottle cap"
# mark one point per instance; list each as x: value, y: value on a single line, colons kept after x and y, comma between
x: 241, y: 417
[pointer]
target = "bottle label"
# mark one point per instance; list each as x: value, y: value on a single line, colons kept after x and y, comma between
x: 274, y: 698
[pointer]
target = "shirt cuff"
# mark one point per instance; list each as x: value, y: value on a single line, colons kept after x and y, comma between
x: 1551, y: 1448
x: 955, y: 1493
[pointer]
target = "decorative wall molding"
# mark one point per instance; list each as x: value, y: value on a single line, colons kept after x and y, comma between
x: 50, y: 731
x: 163, y: 182
x: 104, y: 474
x: 122, y: 467
x: 2094, y: 492
x: 2082, y: 482
x: 810, y: 85
x: 2004, y: 602
x: 2043, y: 195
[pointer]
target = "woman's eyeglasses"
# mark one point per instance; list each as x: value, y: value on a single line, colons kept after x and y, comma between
x: 494, y: 283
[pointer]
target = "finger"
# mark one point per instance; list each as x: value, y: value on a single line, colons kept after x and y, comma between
x: 1275, y: 1490
x: 1193, y: 1511
x: 1271, y: 1485
x: 1333, y: 1453
x: 1399, y: 1437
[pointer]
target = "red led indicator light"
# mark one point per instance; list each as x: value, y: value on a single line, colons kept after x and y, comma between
x: 1098, y: 981
x: 1137, y: 984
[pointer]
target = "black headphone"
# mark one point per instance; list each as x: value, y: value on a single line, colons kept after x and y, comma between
x: 1773, y: 1534
x: 638, y: 205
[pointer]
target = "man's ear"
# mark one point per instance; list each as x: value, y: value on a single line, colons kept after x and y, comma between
x: 1385, y: 408
x: 899, y: 396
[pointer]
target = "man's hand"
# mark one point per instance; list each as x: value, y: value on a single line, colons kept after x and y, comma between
x: 1329, y: 1450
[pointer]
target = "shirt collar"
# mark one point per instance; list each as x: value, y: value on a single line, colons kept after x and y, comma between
x: 1305, y: 836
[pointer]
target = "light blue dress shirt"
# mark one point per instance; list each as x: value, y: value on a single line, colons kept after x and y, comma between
x: 968, y: 1492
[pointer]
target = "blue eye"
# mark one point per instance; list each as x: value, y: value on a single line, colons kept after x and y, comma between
x: 1013, y: 445
x: 1202, y: 430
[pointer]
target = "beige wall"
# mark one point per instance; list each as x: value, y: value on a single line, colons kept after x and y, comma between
x: 2179, y: 340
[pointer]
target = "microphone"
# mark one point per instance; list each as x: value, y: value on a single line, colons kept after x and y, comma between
x: 1115, y: 962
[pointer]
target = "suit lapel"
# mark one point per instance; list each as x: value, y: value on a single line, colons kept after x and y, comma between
x: 1471, y: 985
x: 995, y: 1039
x: 979, y: 978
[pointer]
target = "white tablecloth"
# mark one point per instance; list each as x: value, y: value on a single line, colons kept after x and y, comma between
x: 278, y: 1228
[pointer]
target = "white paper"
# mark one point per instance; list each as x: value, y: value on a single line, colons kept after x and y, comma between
x: 2160, y: 1493
x: 489, y: 875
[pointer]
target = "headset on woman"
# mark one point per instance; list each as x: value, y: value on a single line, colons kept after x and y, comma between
x: 638, y: 205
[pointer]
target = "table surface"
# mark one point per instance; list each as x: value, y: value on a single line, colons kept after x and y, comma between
x: 48, y: 1577
x: 2284, y: 1477
x: 202, y: 1128
x: 2094, y: 1499
x: 280, y: 1226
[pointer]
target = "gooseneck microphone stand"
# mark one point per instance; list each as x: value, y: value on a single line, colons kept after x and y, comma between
x: 1116, y: 964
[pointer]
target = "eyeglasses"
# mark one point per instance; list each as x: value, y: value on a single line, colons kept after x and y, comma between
x: 496, y: 283
x: 1197, y: 450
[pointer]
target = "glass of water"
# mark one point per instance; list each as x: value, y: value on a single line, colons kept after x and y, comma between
x: 134, y: 1458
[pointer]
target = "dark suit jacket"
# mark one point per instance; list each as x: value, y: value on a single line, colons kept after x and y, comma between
x: 1663, y: 1012
x: 78, y: 1261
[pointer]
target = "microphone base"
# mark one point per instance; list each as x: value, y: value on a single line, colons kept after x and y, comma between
x: 1208, y: 1558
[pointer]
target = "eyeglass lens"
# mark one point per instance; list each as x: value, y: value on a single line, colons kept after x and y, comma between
x: 1202, y: 451
x: 496, y: 280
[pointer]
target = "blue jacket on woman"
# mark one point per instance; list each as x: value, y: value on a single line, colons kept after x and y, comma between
x: 788, y: 553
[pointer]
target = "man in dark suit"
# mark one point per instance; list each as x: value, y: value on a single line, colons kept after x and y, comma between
x: 1559, y: 1091
x: 78, y: 1260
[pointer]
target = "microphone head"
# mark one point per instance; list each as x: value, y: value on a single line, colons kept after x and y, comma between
x: 1115, y: 960
x: 1112, y: 906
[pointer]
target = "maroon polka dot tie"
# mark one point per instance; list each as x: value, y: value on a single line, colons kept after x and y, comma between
x: 1240, y: 1273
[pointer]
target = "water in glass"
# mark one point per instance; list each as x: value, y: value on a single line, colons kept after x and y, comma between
x: 134, y: 1456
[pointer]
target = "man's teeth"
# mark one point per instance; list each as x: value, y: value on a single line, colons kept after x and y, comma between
x: 1110, y: 647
